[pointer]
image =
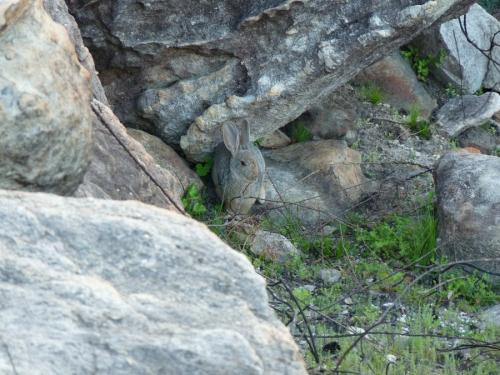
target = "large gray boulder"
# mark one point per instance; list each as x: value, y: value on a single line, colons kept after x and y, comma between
x: 103, y: 287
x: 465, y: 66
x: 468, y: 194
x: 45, y: 117
x: 186, y: 68
x: 120, y: 168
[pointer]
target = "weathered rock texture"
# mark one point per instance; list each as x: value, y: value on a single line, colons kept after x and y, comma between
x: 313, y: 181
x: 166, y: 157
x: 190, y: 66
x: 121, y: 168
x: 465, y: 66
x: 465, y: 112
x: 335, y: 116
x: 399, y: 83
x: 273, y: 246
x: 468, y: 193
x: 484, y: 138
x: 102, y: 287
x: 45, y: 118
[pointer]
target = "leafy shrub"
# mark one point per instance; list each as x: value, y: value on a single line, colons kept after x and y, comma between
x: 475, y: 289
x: 203, y: 169
x: 422, y: 64
x: 410, y: 239
x: 372, y: 93
x: 193, y: 202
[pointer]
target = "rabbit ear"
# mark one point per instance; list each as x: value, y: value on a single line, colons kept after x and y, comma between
x: 231, y: 136
x: 245, y: 134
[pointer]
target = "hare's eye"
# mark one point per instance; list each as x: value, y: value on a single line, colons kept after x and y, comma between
x: 243, y: 163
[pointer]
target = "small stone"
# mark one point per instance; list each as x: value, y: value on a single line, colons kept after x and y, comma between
x: 277, y: 139
x: 479, y: 138
x: 309, y: 287
x: 465, y: 112
x: 391, y: 358
x: 348, y: 301
x: 273, y: 246
x: 327, y: 230
x: 492, y: 315
x: 330, y: 276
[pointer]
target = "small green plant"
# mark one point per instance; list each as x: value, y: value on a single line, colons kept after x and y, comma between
x: 480, y: 91
x: 258, y: 142
x: 452, y: 91
x: 454, y: 144
x: 475, y: 290
x: 300, y: 133
x: 203, y: 169
x: 410, y: 239
x: 420, y: 127
x: 489, y: 127
x: 302, y: 295
x: 372, y: 93
x: 422, y: 64
x: 193, y: 202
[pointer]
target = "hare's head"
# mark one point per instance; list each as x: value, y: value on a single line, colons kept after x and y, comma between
x: 247, y: 162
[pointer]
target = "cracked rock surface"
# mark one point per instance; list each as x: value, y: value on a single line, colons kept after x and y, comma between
x: 100, y: 287
x: 45, y: 119
x: 183, y: 69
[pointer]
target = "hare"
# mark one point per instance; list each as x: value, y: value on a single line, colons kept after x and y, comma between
x: 238, y: 171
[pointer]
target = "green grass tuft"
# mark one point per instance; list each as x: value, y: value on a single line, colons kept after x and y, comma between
x: 420, y: 127
x: 300, y: 133
x: 372, y: 93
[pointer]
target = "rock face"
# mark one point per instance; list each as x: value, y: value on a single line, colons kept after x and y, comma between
x: 468, y: 193
x: 120, y: 168
x: 334, y: 117
x: 45, y: 118
x: 400, y: 85
x: 465, y: 112
x: 313, y: 181
x: 108, y: 287
x: 464, y: 65
x: 166, y: 157
x: 189, y: 67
